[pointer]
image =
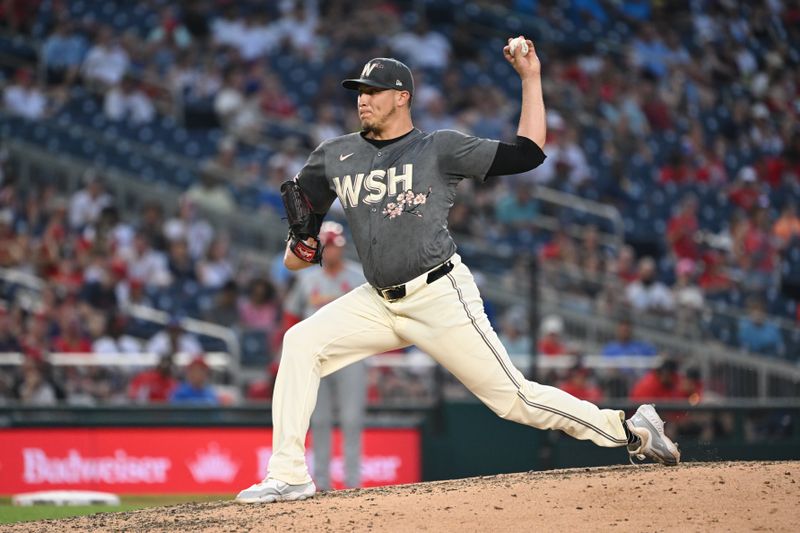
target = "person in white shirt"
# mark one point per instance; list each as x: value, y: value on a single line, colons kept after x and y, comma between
x: 170, y: 29
x: 647, y: 293
x: 259, y: 37
x: 215, y: 270
x: 227, y: 29
x: 24, y: 98
x: 110, y: 337
x: 565, y: 158
x: 436, y: 116
x: 326, y: 126
x: 86, y: 204
x: 147, y: 264
x: 173, y: 339
x: 299, y: 28
x: 33, y: 388
x: 110, y: 227
x: 107, y: 61
x: 288, y: 160
x: 424, y: 48
x: 209, y: 193
x: 196, y: 231
x: 127, y: 101
x: 230, y: 100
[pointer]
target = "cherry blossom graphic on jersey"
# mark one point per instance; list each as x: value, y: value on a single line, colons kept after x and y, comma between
x: 406, y: 202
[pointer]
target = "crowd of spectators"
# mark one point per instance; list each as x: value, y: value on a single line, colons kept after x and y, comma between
x: 688, y: 123
x: 691, y: 127
x: 95, y: 265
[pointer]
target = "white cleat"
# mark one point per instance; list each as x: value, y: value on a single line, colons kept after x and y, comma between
x: 272, y: 490
x: 654, y: 445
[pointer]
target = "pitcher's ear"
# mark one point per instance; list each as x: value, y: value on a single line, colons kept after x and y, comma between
x: 404, y: 96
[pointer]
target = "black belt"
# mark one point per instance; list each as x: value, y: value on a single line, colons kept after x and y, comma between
x: 399, y: 291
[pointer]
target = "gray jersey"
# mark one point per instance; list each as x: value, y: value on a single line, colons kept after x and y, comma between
x: 316, y: 287
x: 396, y: 197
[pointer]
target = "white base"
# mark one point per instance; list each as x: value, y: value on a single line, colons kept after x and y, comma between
x: 65, y: 497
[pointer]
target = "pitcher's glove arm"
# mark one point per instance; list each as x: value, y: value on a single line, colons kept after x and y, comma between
x: 303, y: 223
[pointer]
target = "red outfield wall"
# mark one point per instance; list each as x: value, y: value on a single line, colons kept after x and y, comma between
x: 179, y: 460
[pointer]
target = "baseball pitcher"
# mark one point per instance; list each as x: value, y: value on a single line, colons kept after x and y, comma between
x: 397, y: 184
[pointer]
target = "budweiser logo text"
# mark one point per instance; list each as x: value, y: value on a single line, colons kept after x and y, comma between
x: 75, y: 469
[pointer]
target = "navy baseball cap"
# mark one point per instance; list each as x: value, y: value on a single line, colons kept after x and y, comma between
x: 384, y: 73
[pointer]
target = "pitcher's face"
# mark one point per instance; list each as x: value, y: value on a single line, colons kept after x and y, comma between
x: 376, y: 108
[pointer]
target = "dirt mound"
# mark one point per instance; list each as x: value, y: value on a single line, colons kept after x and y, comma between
x: 690, y: 497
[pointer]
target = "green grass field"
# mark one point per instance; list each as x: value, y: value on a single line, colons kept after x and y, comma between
x: 11, y: 513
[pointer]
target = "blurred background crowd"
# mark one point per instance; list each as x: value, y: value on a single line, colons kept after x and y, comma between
x: 682, y: 115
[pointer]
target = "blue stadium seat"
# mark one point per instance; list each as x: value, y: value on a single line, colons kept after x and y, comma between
x: 148, y: 172
x: 120, y: 20
x: 77, y: 8
x: 179, y: 135
x: 191, y: 149
x: 53, y: 145
x: 88, y: 149
x: 135, y: 162
x: 146, y: 134
x: 166, y: 301
x: 252, y: 198
x: 184, y: 177
x: 143, y: 329
x: 255, y: 348
x: 212, y: 344
x: 721, y: 327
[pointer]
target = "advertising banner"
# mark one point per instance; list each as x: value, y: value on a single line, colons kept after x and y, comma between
x: 180, y: 460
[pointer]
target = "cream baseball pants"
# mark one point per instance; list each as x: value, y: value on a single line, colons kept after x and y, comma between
x: 445, y: 320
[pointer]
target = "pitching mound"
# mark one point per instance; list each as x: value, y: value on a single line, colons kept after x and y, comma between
x: 691, y: 497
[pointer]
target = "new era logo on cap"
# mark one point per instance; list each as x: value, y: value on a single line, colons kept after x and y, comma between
x: 384, y: 73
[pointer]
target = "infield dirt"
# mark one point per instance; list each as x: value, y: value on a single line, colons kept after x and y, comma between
x: 760, y: 496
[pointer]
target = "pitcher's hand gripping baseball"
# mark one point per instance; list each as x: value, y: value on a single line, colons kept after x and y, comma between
x: 521, y: 53
x: 304, y: 224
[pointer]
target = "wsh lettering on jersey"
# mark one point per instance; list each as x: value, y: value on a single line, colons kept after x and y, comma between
x: 372, y: 187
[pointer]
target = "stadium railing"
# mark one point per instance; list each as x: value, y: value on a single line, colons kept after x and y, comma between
x: 215, y: 360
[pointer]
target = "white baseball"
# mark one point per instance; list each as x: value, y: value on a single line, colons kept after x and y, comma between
x: 518, y: 42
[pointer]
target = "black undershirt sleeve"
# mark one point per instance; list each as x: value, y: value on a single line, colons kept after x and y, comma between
x: 521, y: 156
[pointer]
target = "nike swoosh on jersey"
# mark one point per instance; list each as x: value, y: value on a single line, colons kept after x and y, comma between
x: 342, y: 157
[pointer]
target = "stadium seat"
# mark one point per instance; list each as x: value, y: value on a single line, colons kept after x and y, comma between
x: 255, y: 348
x: 721, y: 326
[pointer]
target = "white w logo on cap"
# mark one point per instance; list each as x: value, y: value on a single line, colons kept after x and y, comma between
x: 368, y: 68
